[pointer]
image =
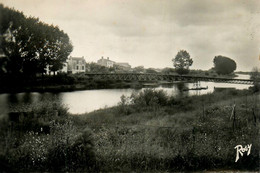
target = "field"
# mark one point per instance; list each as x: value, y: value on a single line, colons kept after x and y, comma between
x: 146, y: 132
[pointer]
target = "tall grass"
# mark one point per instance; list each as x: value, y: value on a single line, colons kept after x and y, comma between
x: 150, y: 132
x: 46, y: 139
x: 182, y: 134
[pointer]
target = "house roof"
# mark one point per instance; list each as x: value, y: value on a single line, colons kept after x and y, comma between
x: 106, y: 60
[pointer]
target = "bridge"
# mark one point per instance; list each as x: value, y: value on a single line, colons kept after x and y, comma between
x: 146, y: 77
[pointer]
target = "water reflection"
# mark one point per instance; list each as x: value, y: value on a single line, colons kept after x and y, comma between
x: 90, y: 100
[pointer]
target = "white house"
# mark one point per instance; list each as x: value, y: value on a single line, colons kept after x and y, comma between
x: 76, y: 65
x: 105, y: 62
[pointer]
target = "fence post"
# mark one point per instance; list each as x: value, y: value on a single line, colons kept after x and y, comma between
x: 254, y: 117
x: 233, y: 115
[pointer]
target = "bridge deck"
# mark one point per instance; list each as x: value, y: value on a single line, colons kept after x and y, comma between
x: 163, y: 77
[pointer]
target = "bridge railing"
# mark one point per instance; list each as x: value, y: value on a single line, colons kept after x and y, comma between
x: 164, y: 77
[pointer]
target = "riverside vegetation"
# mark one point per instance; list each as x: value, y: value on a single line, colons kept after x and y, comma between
x: 149, y: 131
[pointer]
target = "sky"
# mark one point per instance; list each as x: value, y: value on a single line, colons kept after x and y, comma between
x: 151, y: 32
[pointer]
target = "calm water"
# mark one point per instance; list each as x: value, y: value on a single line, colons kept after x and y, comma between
x: 90, y: 100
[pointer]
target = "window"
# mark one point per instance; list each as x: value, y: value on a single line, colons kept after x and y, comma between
x: 77, y: 67
x: 82, y: 67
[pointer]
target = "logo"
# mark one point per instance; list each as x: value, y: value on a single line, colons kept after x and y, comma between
x: 241, y: 150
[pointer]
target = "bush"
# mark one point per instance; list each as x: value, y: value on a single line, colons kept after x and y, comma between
x: 59, y: 79
x: 123, y: 106
x: 150, y: 98
x: 72, y: 150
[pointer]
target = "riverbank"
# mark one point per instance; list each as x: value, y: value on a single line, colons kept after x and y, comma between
x: 149, y: 132
x: 69, y: 82
x: 62, y: 86
x: 198, y: 133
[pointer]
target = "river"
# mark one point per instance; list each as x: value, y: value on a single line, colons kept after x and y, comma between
x: 89, y: 100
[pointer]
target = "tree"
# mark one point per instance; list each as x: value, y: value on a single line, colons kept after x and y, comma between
x: 182, y: 62
x: 30, y: 45
x: 224, y: 65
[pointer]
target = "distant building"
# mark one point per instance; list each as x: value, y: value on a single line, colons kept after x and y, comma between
x: 106, y: 62
x: 76, y: 65
x: 124, y: 65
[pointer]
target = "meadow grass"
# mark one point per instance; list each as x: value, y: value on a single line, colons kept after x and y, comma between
x: 147, y: 132
x: 183, y: 134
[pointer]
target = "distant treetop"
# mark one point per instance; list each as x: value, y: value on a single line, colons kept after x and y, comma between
x: 182, y: 62
x: 224, y: 65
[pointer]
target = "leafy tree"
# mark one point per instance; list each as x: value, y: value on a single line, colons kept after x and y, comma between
x: 224, y: 65
x: 60, y: 48
x: 182, y: 62
x: 30, y: 45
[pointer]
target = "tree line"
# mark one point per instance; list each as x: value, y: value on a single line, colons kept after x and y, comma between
x: 222, y: 65
x: 29, y: 46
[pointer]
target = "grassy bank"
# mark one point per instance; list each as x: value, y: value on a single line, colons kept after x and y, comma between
x: 160, y: 133
x: 146, y: 132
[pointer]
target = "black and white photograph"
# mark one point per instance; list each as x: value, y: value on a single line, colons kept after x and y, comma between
x: 130, y: 86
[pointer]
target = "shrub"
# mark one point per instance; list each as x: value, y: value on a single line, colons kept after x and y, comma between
x: 49, y: 109
x: 150, y: 98
x: 72, y: 150
x: 123, y: 106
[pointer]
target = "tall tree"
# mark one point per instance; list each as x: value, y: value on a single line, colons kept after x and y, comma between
x: 224, y: 65
x: 182, y: 62
x: 12, y: 39
x: 61, y: 48
x: 30, y: 45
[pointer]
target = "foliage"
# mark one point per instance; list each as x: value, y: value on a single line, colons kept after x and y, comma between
x: 123, y: 105
x: 182, y: 62
x: 96, y: 68
x: 175, y: 138
x: 149, y: 98
x: 71, y: 150
x: 63, y: 147
x: 224, y: 65
x: 151, y: 70
x: 139, y: 69
x: 168, y: 71
x: 255, y: 76
x: 200, y: 138
x: 29, y: 45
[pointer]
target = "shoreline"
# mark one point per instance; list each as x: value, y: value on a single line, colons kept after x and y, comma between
x: 81, y: 87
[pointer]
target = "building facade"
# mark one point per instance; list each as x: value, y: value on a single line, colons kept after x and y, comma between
x: 106, y: 62
x: 76, y: 65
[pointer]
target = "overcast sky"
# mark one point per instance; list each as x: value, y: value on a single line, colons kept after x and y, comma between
x: 151, y: 32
